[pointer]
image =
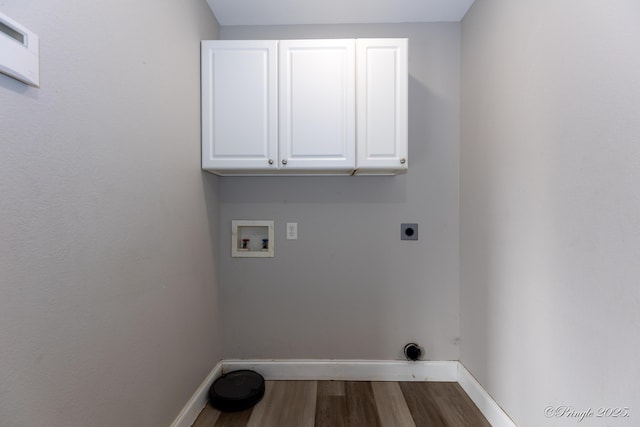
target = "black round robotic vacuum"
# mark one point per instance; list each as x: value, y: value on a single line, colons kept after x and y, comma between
x: 236, y: 391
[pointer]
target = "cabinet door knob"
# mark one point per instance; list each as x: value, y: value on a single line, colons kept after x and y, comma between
x: 270, y: 161
x: 284, y: 161
x: 403, y: 161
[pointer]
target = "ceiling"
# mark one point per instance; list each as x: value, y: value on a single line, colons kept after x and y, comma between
x: 290, y: 12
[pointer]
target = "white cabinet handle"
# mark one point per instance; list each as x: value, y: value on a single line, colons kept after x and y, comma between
x: 270, y: 161
x: 403, y: 161
x: 284, y: 161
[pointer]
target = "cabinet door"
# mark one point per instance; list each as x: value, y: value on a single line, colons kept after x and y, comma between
x: 317, y: 104
x: 239, y: 105
x: 382, y: 105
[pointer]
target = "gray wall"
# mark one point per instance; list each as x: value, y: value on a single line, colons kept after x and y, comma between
x: 108, y: 288
x: 348, y: 287
x: 550, y: 205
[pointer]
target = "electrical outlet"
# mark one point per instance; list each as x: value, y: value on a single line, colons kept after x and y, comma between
x: 409, y: 231
x: 292, y: 231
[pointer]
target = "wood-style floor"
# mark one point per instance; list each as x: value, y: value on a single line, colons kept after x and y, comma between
x: 353, y: 404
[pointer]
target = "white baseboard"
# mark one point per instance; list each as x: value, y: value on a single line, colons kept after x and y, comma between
x: 352, y: 370
x: 198, y: 401
x: 348, y: 370
x: 483, y: 400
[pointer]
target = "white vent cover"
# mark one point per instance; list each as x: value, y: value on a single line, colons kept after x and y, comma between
x: 19, y: 52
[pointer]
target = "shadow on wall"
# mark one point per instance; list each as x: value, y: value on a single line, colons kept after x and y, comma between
x: 18, y: 87
x: 211, y: 186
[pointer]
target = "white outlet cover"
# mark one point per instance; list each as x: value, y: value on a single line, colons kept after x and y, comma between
x: 292, y: 231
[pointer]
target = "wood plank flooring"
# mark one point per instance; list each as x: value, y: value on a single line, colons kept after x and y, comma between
x: 353, y: 404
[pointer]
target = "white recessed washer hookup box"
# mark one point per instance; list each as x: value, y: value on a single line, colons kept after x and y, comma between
x: 19, y: 52
x: 252, y: 239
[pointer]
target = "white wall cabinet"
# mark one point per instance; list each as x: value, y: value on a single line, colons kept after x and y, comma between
x: 239, y: 105
x: 317, y: 105
x: 289, y: 107
x: 382, y: 106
